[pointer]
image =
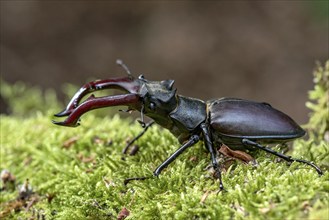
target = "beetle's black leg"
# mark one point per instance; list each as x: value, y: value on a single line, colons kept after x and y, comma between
x: 193, y: 140
x: 285, y: 157
x: 128, y: 180
x: 124, y: 151
x: 207, y: 140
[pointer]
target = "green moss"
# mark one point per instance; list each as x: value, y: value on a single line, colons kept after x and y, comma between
x: 83, y: 168
x: 25, y: 100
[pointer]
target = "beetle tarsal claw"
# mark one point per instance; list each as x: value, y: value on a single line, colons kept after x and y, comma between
x: 320, y: 172
x: 128, y: 180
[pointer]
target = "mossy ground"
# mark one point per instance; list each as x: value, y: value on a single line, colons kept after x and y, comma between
x: 83, y: 169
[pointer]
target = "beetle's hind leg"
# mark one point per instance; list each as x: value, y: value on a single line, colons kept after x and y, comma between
x: 248, y: 142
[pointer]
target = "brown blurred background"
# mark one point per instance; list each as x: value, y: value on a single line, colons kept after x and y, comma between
x: 259, y: 50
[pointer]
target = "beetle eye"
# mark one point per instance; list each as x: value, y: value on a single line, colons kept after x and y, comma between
x: 152, y: 106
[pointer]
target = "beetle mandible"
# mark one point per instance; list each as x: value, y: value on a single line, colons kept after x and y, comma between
x: 237, y: 123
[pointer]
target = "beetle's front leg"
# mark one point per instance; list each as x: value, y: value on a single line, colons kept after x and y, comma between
x: 124, y: 151
x: 207, y: 140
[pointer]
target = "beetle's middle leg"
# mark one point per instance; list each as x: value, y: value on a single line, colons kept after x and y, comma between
x: 207, y: 140
x: 285, y: 157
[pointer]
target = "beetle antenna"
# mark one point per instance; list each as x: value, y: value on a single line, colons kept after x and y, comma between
x: 125, y: 67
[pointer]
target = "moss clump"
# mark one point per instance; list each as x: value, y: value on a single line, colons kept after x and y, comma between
x: 79, y: 173
x: 319, y: 104
x: 26, y: 101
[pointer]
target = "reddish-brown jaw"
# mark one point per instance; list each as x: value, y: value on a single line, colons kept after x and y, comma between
x: 74, y: 110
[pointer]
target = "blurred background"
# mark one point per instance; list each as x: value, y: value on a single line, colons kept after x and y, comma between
x: 258, y: 50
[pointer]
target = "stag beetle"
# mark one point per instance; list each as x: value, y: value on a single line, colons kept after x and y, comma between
x: 237, y: 123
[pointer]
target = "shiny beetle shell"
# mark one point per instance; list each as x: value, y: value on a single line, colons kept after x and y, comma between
x: 235, y: 119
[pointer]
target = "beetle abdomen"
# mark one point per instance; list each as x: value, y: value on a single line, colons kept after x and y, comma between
x: 240, y: 118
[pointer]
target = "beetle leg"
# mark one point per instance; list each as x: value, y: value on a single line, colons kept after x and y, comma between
x: 128, y: 180
x: 285, y: 157
x: 124, y: 151
x: 193, y: 140
x: 207, y: 140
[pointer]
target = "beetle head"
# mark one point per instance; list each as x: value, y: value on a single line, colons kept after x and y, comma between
x: 158, y: 99
x: 158, y: 96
